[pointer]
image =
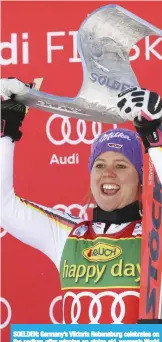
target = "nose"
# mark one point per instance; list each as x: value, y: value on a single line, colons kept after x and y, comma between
x: 109, y: 172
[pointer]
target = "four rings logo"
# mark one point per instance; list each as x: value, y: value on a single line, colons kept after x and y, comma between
x: 66, y: 131
x: 95, y: 305
x: 102, y: 252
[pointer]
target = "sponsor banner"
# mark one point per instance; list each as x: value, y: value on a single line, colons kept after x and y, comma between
x: 90, y: 306
x: 99, y: 260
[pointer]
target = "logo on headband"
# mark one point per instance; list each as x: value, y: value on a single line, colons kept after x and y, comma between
x: 114, y: 145
x: 110, y: 135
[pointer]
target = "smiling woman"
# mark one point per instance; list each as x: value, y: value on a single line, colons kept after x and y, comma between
x: 116, y: 169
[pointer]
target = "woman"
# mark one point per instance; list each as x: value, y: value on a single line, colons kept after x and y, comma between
x: 98, y: 261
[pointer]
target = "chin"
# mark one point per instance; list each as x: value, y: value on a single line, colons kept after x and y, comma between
x: 108, y: 207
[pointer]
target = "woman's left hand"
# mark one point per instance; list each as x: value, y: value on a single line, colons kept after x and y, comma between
x: 139, y: 102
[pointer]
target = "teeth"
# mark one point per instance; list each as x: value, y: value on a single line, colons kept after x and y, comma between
x: 110, y: 186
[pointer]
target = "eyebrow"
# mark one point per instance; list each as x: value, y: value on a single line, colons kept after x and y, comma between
x: 116, y: 160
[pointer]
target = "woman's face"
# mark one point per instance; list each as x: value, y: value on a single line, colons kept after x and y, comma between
x: 114, y: 181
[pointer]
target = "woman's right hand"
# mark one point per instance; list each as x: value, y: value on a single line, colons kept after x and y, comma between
x: 12, y: 112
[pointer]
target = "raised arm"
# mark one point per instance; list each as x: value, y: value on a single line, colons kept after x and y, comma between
x: 40, y: 227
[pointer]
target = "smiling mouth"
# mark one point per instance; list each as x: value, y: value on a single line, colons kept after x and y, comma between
x: 110, y: 189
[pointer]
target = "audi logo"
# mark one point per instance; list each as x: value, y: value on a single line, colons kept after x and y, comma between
x: 96, y: 303
x: 82, y: 210
x: 66, y: 131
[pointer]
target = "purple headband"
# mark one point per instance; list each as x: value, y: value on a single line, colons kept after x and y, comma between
x: 119, y: 140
